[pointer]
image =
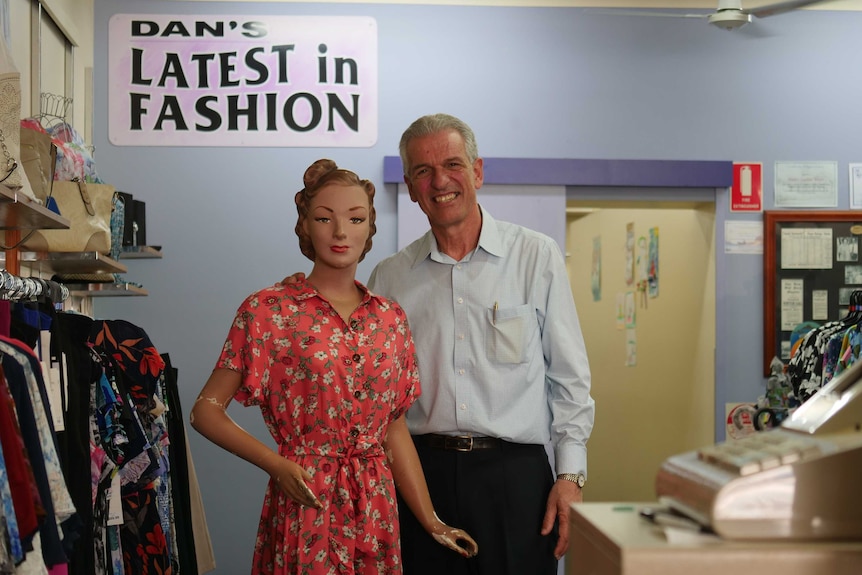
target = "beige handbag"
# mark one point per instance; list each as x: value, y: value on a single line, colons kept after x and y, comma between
x: 38, y: 156
x: 88, y: 209
x: 12, y: 173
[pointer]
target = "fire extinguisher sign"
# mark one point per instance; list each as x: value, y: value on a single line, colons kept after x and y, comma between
x: 746, y: 194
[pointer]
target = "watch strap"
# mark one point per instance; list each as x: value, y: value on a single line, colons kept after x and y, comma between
x: 577, y: 478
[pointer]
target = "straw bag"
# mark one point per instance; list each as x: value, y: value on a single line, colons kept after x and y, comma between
x: 88, y: 209
x: 12, y: 173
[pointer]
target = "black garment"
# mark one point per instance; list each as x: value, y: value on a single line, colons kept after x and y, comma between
x: 180, y: 493
x: 498, y: 496
x: 69, y: 337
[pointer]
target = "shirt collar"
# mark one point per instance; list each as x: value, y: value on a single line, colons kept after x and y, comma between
x: 489, y: 240
x: 302, y: 291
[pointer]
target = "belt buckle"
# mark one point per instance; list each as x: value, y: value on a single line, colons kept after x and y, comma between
x: 459, y: 443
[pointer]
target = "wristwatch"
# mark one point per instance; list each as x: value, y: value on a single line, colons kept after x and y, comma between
x: 578, y: 478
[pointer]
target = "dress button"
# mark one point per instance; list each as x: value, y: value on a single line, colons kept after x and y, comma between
x: 354, y: 324
x: 354, y: 432
x: 356, y: 357
x: 357, y: 394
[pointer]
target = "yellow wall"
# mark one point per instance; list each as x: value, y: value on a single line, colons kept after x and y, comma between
x: 664, y: 404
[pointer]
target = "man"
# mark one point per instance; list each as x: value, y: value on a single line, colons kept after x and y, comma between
x: 503, y: 367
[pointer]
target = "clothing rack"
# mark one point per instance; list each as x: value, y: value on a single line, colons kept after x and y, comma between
x: 14, y: 288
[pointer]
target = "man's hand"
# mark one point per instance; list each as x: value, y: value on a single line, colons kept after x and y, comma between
x: 562, y: 495
x: 293, y: 279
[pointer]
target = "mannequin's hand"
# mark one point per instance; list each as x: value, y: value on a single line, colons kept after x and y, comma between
x: 291, y: 478
x: 455, y: 539
x: 293, y: 278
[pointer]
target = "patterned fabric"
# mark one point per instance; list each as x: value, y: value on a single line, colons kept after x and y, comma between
x: 74, y: 159
x: 805, y: 368
x: 8, y: 512
x: 327, y: 390
x: 29, y: 511
x: 30, y: 399
x: 133, y: 434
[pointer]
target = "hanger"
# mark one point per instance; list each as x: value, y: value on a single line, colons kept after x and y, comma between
x: 14, y: 288
x: 854, y: 311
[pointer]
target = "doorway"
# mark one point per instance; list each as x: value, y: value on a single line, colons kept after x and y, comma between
x: 663, y: 403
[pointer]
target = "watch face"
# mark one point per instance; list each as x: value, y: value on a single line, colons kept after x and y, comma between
x: 581, y: 480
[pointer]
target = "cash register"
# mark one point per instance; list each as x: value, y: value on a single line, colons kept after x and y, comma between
x: 799, y: 481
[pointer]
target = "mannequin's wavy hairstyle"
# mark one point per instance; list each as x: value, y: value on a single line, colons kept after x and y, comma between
x: 318, y: 175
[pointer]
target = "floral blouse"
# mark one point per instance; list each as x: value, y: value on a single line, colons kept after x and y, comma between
x: 328, y: 390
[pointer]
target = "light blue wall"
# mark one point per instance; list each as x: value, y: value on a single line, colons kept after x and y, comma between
x: 533, y: 83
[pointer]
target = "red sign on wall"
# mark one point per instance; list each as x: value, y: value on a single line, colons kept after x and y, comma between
x: 746, y: 195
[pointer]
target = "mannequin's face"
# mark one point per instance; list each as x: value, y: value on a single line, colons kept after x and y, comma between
x: 338, y: 224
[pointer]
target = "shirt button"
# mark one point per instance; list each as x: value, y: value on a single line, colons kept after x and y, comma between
x: 463, y: 406
x: 460, y: 336
x: 356, y: 357
x: 460, y: 372
x: 460, y: 300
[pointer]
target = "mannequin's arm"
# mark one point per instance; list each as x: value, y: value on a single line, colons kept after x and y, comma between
x: 209, y: 417
x: 410, y: 481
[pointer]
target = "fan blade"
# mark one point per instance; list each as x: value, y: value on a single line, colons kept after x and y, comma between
x: 780, y: 7
x: 615, y: 12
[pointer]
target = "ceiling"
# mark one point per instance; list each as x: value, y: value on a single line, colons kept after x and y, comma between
x: 704, y: 4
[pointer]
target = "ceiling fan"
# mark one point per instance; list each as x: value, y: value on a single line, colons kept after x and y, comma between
x: 730, y: 14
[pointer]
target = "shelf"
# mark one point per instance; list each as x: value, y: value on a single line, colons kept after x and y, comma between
x: 105, y: 290
x: 141, y: 252
x: 18, y: 212
x: 62, y: 263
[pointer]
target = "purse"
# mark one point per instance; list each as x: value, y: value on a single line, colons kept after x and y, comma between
x: 88, y: 208
x: 38, y: 156
x: 12, y: 175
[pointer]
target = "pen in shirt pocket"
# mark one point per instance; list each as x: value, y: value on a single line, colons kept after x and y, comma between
x: 494, y: 314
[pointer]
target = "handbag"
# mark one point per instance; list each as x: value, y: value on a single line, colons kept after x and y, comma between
x: 88, y: 208
x: 12, y: 175
x: 38, y: 156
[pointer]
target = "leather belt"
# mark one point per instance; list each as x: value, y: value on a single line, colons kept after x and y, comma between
x: 458, y: 442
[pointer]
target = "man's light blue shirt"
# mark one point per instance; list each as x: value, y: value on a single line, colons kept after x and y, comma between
x: 498, y: 340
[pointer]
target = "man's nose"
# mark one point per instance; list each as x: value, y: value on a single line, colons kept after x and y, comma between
x: 439, y: 179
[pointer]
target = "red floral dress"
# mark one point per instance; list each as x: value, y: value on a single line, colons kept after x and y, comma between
x: 327, y: 390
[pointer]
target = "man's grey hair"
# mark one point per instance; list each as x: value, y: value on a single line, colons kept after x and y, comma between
x: 432, y: 124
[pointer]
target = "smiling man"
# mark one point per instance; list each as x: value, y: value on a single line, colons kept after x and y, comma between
x: 502, y: 364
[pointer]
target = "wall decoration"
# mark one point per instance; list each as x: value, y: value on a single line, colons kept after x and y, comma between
x: 810, y: 266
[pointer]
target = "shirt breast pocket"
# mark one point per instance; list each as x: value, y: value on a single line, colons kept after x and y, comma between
x: 508, y: 330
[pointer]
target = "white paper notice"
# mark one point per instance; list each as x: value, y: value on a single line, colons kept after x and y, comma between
x: 743, y: 237
x: 806, y: 248
x: 791, y: 304
x: 806, y: 184
x: 856, y: 186
x: 820, y: 304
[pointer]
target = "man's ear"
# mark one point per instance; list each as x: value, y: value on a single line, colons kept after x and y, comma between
x: 478, y: 173
x: 410, y: 188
